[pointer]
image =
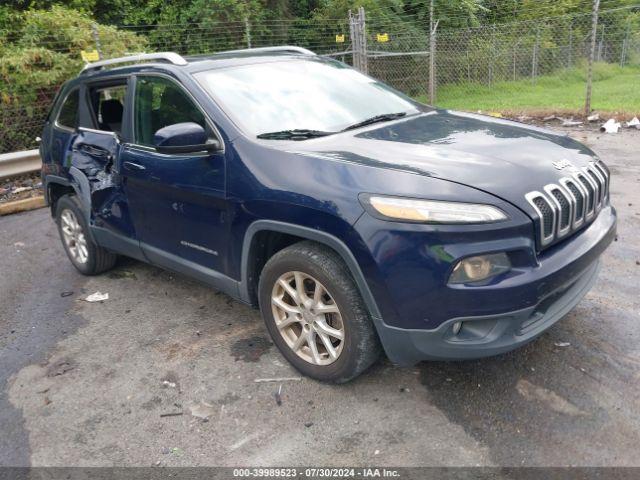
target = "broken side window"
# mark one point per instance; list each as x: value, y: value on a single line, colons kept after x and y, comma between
x: 108, y: 107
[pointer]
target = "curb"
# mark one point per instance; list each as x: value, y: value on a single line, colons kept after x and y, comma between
x: 22, y: 205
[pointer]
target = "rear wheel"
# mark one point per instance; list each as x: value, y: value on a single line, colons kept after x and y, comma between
x: 85, y: 255
x: 315, y: 314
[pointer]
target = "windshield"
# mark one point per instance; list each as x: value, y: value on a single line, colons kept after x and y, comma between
x: 318, y: 95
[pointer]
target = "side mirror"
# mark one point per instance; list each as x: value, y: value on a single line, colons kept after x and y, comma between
x: 188, y: 137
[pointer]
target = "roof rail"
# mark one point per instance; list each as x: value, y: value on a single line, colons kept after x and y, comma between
x: 170, y: 57
x: 281, y: 48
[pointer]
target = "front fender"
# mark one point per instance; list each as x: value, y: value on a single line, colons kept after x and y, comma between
x: 310, y: 234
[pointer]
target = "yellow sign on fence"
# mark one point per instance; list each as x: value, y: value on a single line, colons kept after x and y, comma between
x: 90, y: 55
x: 340, y: 38
x: 382, y: 37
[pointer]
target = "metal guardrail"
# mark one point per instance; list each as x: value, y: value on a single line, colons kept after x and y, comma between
x: 18, y: 163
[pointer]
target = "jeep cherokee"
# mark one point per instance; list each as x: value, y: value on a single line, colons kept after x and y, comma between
x: 355, y: 218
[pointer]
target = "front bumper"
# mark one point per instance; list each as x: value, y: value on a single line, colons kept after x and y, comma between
x: 485, y: 335
x: 541, y: 297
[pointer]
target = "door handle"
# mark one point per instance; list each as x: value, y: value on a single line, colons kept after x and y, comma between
x: 133, y: 166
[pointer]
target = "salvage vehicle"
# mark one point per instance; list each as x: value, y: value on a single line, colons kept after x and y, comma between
x: 357, y: 219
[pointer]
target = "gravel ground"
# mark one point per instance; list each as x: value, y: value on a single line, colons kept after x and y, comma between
x: 91, y: 383
x: 20, y: 187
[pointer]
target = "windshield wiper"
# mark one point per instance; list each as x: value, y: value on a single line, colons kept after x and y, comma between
x: 304, y: 134
x: 385, y: 117
x: 296, y: 134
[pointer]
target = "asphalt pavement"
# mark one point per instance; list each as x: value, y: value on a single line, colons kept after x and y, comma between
x: 169, y: 372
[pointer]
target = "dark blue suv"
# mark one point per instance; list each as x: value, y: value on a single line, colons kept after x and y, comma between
x: 355, y: 218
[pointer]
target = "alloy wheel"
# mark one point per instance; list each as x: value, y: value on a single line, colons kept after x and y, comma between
x: 308, y: 318
x: 74, y: 237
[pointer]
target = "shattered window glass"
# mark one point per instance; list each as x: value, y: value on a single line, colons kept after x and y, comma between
x: 108, y: 104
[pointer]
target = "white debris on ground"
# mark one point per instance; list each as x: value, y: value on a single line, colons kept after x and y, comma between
x: 634, y: 122
x: 571, y: 122
x: 97, y: 297
x: 610, y: 126
x: 278, y: 379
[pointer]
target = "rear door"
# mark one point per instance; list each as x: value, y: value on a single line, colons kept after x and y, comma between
x: 91, y: 157
x: 99, y: 147
x: 177, y: 200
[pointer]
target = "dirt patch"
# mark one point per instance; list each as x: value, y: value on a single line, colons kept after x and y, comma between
x: 182, y: 351
x: 120, y: 274
x: 538, y: 115
x: 250, y: 349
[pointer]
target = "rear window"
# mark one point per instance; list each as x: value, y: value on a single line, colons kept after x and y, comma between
x: 68, y: 116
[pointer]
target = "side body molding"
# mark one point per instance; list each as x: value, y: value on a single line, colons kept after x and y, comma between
x: 310, y: 234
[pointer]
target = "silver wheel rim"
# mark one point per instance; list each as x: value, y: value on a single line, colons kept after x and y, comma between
x: 73, y: 236
x: 308, y: 318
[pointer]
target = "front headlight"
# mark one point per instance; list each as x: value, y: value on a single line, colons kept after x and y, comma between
x: 433, y: 211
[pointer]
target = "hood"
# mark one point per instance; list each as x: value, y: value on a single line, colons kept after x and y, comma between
x: 504, y: 158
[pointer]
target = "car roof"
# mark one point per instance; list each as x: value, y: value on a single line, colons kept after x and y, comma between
x: 169, y: 61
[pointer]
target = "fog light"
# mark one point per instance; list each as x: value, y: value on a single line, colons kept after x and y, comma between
x: 481, y: 267
x: 456, y: 328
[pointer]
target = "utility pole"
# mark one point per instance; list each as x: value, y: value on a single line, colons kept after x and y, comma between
x: 363, y: 40
x: 536, y: 54
x: 570, y: 44
x: 594, y: 32
x: 357, y: 31
x: 247, y: 31
x: 433, y: 25
x: 625, y: 46
x: 355, y: 41
x: 96, y: 39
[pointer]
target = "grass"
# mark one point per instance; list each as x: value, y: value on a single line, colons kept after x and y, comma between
x: 616, y: 90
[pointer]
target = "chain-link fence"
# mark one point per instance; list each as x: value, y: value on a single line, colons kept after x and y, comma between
x: 541, y: 66
x: 525, y: 66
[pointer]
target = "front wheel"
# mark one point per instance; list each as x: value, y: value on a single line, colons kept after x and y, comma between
x: 88, y: 257
x: 315, y: 314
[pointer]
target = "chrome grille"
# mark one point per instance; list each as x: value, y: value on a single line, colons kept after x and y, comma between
x: 564, y: 207
x: 590, y: 194
x: 604, y: 172
x: 546, y: 210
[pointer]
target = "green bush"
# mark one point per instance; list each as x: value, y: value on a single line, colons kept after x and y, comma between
x: 41, y: 52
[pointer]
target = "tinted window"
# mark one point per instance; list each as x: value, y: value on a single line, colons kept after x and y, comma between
x: 159, y: 103
x: 68, y: 116
x: 309, y: 94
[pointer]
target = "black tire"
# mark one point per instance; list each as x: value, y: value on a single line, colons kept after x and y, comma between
x: 361, y: 346
x: 98, y: 259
